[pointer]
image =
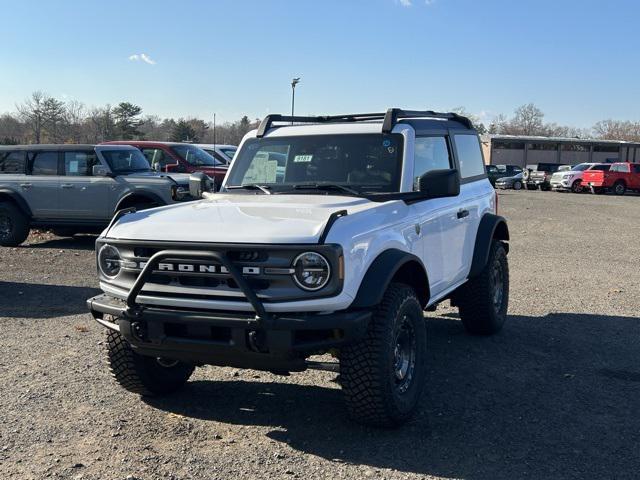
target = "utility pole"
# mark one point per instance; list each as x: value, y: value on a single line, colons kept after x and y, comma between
x: 294, y: 82
x: 214, y: 130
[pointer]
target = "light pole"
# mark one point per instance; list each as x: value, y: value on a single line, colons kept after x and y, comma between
x: 294, y: 82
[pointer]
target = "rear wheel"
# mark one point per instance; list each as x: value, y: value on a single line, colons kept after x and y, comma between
x: 576, y: 187
x: 383, y: 375
x: 619, y: 188
x: 517, y: 185
x: 483, y: 301
x: 14, y: 225
x: 147, y: 376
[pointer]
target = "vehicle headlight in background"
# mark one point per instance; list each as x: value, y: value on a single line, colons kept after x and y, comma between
x: 311, y: 271
x: 109, y: 261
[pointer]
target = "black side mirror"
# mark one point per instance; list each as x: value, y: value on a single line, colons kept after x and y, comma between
x: 200, y: 183
x: 440, y: 183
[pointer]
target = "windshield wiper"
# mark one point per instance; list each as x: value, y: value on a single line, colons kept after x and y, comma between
x: 326, y: 186
x: 250, y: 186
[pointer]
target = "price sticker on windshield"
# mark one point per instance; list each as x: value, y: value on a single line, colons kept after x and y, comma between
x: 302, y: 158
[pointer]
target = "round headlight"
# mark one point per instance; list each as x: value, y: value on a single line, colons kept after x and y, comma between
x: 312, y: 271
x: 109, y: 261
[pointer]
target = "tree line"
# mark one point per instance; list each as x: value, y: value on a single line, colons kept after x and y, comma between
x: 42, y: 118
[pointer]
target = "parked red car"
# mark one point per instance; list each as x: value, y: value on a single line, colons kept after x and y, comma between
x: 178, y: 157
x: 621, y: 177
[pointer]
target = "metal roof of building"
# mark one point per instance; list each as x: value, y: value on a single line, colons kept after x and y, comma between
x: 518, y: 138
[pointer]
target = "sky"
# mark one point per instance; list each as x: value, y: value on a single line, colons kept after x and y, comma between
x: 575, y: 59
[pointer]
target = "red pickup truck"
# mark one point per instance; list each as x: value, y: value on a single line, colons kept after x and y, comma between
x: 621, y: 177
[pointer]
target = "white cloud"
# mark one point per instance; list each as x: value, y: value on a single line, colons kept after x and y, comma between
x: 409, y: 3
x: 142, y: 57
x: 405, y: 3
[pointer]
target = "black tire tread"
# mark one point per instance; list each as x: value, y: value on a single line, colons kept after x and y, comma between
x: 361, y: 363
x: 131, y: 370
x: 20, y: 222
x: 474, y: 301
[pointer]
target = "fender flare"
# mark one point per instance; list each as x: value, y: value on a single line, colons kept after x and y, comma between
x: 17, y: 199
x: 384, y: 269
x: 491, y: 227
x: 140, y: 193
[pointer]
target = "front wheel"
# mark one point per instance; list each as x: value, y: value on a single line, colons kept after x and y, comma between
x: 576, y: 187
x: 146, y: 376
x: 483, y: 301
x: 383, y: 375
x: 517, y: 185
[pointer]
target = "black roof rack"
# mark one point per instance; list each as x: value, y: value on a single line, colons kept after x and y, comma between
x: 389, y: 119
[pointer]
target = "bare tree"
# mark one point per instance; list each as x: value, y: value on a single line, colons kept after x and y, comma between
x: 32, y: 114
x: 617, y: 130
x: 75, y: 114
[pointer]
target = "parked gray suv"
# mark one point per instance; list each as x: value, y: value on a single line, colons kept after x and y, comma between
x: 77, y: 188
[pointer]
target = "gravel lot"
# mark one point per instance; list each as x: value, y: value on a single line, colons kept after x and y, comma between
x: 555, y: 395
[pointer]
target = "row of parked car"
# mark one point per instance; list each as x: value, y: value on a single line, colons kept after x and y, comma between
x: 599, y: 178
x: 78, y: 188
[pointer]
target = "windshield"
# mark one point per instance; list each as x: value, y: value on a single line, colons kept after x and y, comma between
x: 195, y: 155
x: 581, y: 167
x: 229, y: 152
x: 361, y: 162
x: 126, y: 161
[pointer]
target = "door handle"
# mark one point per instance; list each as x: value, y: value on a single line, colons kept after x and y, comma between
x: 26, y: 185
x: 462, y: 213
x: 67, y: 185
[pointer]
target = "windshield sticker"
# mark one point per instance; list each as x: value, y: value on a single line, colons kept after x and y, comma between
x: 302, y: 158
x: 261, y: 170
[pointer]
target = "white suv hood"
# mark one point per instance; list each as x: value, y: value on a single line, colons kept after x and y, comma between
x: 239, y: 218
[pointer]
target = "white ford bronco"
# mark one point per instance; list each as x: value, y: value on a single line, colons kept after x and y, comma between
x: 330, y: 235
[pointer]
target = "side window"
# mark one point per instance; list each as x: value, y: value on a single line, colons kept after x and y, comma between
x: 78, y: 164
x: 44, y: 163
x: 492, y: 169
x: 12, y: 162
x: 636, y: 168
x: 156, y: 158
x: 430, y: 153
x: 469, y: 155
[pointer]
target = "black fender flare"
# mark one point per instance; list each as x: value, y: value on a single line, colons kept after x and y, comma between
x: 140, y: 193
x: 491, y: 227
x: 388, y: 265
x: 17, y: 199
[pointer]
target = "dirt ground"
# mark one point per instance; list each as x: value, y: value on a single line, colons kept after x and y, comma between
x: 555, y: 395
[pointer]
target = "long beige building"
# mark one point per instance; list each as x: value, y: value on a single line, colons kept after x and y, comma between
x: 515, y: 150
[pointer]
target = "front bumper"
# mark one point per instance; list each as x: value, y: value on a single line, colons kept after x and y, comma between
x: 560, y: 184
x: 230, y: 338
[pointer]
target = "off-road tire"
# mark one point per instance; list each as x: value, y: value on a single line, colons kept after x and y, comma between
x: 481, y: 312
x: 14, y: 225
x: 140, y: 374
x: 619, y: 188
x: 374, y: 392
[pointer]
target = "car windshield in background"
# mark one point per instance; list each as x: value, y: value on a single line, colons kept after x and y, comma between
x: 229, y: 152
x: 195, y: 155
x: 125, y: 161
x: 336, y: 163
x: 581, y: 167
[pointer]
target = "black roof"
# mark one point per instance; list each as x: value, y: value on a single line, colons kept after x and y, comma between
x: 50, y: 147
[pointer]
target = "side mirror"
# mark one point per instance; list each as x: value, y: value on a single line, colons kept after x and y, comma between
x: 100, y: 171
x: 199, y: 184
x: 440, y: 183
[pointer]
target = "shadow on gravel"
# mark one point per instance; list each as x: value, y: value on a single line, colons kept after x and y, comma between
x: 33, y: 300
x: 555, y: 396
x: 79, y: 242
